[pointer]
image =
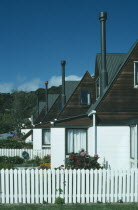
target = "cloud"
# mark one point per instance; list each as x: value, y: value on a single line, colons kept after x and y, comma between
x: 6, y: 87
x: 57, y: 80
x: 32, y: 85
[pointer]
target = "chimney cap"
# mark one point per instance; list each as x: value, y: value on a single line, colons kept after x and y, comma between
x: 102, y: 16
x: 46, y: 82
x: 63, y: 62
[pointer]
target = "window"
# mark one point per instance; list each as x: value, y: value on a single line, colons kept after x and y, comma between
x: 85, y: 98
x: 97, y: 88
x: 76, y: 140
x: 132, y: 142
x: 46, y: 137
x: 136, y: 74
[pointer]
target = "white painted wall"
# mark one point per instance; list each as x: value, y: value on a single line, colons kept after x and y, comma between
x: 29, y: 138
x: 37, y: 139
x: 57, y: 147
x: 113, y: 144
x: 90, y: 142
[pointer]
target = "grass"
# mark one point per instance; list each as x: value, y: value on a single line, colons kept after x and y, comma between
x: 133, y: 206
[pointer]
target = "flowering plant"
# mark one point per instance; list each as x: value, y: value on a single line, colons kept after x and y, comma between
x: 82, y: 160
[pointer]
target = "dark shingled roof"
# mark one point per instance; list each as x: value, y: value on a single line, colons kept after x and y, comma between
x: 70, y: 86
x: 113, y: 62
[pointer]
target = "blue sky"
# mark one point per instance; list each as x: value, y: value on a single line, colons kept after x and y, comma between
x: 35, y: 35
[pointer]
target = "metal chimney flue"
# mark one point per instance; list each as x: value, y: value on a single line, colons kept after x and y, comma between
x: 63, y: 63
x: 46, y: 95
x: 103, y: 73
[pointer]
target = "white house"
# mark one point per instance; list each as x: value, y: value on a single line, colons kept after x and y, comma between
x: 99, y: 115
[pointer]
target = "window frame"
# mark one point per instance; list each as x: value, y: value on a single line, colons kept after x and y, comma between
x: 135, y: 80
x: 43, y: 137
x: 88, y: 97
x: 66, y: 140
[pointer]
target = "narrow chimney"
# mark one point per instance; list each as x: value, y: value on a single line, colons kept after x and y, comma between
x: 46, y: 88
x: 63, y: 63
x: 103, y: 73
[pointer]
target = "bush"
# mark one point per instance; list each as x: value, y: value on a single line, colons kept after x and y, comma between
x: 4, y: 165
x: 11, y: 160
x: 59, y: 200
x: 46, y: 159
x: 14, y: 144
x: 82, y: 160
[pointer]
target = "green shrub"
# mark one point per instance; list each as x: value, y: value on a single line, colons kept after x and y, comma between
x: 46, y: 159
x: 11, y: 160
x: 82, y: 160
x: 59, y: 200
x: 4, y: 165
x: 14, y: 144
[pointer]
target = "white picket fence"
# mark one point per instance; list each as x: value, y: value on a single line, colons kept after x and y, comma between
x: 18, y: 152
x: 74, y: 186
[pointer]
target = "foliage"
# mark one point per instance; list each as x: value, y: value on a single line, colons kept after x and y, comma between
x: 14, y: 144
x: 11, y: 160
x: 35, y: 161
x: 4, y: 165
x: 82, y: 160
x: 46, y: 159
x: 59, y: 201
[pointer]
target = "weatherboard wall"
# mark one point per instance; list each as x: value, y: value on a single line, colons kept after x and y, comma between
x: 120, y: 102
x: 57, y: 147
x: 37, y: 139
x: 113, y: 146
x: 73, y: 107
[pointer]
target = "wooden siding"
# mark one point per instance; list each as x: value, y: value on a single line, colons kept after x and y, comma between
x: 121, y: 100
x: 73, y: 107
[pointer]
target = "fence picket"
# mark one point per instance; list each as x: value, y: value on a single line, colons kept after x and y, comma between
x: 78, y: 186
x: 3, y: 185
x: 99, y: 186
x: 112, y: 186
x: 15, y: 186
x: 11, y: 186
x: 66, y: 186
x: 7, y: 185
x: 19, y: 186
x: 87, y: 187
x: 62, y: 183
x: 91, y: 186
x: 36, y: 186
x: 41, y: 185
x: 49, y: 186
x: 24, y: 186
x: 53, y: 186
x: 32, y: 186
x: 132, y: 185
x: 136, y: 186
x: 128, y: 185
x: 45, y: 185
x: 70, y: 186
x: 74, y: 186
x: 18, y: 152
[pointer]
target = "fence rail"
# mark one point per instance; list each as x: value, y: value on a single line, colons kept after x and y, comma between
x: 18, y: 152
x: 74, y: 186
